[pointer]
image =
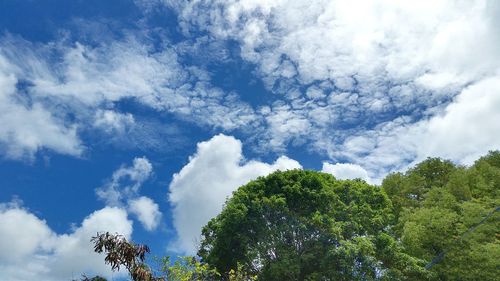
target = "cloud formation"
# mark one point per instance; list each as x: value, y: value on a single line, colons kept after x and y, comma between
x: 372, y: 83
x: 463, y: 131
x: 29, y: 126
x: 38, y: 92
x: 146, y: 210
x: 31, y: 250
x: 356, y: 42
x: 346, y: 171
x: 198, y: 191
x: 123, y: 191
x: 356, y: 77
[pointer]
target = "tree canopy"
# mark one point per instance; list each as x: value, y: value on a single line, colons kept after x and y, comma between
x: 439, y: 208
x: 436, y: 221
x: 306, y: 225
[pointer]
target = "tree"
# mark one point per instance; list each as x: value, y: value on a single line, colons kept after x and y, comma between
x: 306, y: 225
x: 95, y: 278
x: 120, y: 252
x: 441, y: 224
x: 437, y: 221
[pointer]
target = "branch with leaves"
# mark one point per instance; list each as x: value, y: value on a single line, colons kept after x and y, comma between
x: 120, y: 252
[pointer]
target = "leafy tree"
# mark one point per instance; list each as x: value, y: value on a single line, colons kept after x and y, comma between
x: 408, y: 190
x: 439, y: 208
x: 120, y: 252
x: 95, y: 278
x: 186, y: 269
x: 306, y: 225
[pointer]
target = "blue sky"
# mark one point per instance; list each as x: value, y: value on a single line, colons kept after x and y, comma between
x: 141, y: 117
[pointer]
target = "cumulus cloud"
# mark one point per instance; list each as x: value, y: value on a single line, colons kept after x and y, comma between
x: 345, y: 171
x: 22, y: 233
x: 123, y: 191
x: 463, y: 131
x: 146, y: 210
x: 468, y: 127
x: 31, y: 250
x: 198, y: 191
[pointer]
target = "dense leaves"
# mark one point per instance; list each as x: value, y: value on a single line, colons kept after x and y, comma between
x: 439, y: 206
x: 305, y: 225
x: 437, y: 221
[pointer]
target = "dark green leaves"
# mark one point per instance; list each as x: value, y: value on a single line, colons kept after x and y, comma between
x: 305, y: 225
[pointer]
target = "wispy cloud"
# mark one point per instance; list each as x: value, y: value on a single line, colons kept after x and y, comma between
x: 28, y: 125
x: 69, y: 78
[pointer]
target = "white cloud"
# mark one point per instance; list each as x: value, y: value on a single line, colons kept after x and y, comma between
x: 31, y: 250
x: 113, y: 122
x: 85, y: 80
x: 123, y: 191
x: 21, y: 233
x: 29, y: 127
x: 146, y: 210
x: 345, y: 171
x: 199, y: 190
x: 381, y: 83
x: 125, y: 182
x: 365, y: 40
x: 466, y: 129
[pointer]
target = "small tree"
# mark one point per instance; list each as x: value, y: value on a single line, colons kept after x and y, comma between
x: 120, y: 252
x: 95, y: 278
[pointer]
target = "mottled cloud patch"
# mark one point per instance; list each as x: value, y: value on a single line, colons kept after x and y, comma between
x: 373, y: 83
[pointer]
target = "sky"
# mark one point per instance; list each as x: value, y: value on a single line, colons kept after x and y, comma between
x: 142, y: 117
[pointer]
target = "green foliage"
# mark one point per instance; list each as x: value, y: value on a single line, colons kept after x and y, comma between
x: 306, y: 225
x: 438, y: 204
x: 186, y: 269
x: 95, y: 278
x: 408, y: 190
x: 122, y: 253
